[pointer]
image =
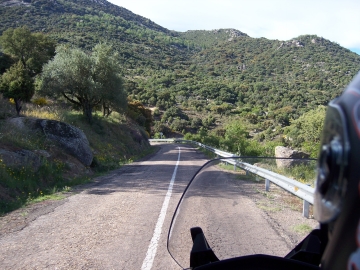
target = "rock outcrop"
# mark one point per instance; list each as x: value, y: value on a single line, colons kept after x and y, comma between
x: 20, y: 158
x: 294, y: 155
x: 12, y: 3
x: 70, y: 138
x: 291, y: 43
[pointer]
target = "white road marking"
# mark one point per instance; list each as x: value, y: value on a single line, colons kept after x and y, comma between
x: 150, y: 254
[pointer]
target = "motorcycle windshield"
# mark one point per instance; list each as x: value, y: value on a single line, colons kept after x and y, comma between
x: 218, y: 199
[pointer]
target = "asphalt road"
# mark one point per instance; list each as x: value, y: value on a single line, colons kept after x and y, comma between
x: 221, y: 204
x: 109, y: 225
x: 121, y: 221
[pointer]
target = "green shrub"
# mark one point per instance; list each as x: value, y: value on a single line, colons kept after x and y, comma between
x: 40, y: 101
x: 23, y: 184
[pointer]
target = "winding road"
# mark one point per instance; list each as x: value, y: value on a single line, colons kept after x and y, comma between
x: 120, y: 221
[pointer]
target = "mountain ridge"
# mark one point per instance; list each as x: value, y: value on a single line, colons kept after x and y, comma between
x: 199, y: 70
x: 80, y: 6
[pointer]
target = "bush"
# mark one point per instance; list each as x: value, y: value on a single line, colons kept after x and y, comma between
x: 156, y: 112
x: 179, y: 124
x: 23, y: 184
x: 40, y: 101
x: 157, y: 135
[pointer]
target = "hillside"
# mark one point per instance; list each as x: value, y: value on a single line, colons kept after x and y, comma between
x: 206, y: 39
x: 48, y: 10
x: 82, y: 23
x: 209, y: 75
x: 221, y: 87
x: 33, y: 165
x: 258, y: 77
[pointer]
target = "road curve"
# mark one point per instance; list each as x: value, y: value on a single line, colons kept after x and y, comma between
x: 121, y: 222
x: 110, y: 224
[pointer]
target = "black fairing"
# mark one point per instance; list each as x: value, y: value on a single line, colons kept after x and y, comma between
x: 259, y: 262
x: 337, y: 201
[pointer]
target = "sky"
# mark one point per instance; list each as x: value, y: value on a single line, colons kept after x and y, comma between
x: 335, y: 20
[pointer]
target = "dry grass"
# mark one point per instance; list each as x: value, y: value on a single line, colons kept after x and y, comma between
x: 43, y: 112
x: 114, y: 140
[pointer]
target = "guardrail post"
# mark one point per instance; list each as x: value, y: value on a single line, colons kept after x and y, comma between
x: 267, y: 184
x: 306, y: 206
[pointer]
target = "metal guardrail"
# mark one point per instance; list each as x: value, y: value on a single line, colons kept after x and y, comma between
x: 162, y: 140
x: 300, y: 190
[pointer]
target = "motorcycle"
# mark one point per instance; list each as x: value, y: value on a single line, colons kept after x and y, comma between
x: 218, y: 208
x: 211, y: 218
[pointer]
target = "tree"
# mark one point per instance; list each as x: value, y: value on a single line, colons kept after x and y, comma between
x: 29, y: 51
x: 235, y: 139
x: 306, y: 131
x: 86, y: 80
x: 196, y: 122
x: 137, y: 111
x: 179, y: 124
x: 17, y: 84
x: 173, y: 112
x: 5, y: 62
x: 159, y: 127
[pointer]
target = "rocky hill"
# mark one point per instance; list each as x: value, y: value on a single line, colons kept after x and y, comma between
x: 255, y: 78
x: 54, y: 8
x: 83, y: 23
x: 223, y: 71
x: 41, y: 156
x: 194, y: 81
x: 205, y: 38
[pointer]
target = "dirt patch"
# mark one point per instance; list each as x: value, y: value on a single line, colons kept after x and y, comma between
x: 19, y: 219
x: 284, y: 212
x: 282, y: 209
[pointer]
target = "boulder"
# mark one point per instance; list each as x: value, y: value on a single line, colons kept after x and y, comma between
x: 70, y: 138
x: 20, y: 158
x: 285, y: 152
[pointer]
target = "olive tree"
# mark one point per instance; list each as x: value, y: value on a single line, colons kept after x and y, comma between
x: 85, y: 79
x: 16, y: 83
x: 31, y: 49
x: 28, y: 51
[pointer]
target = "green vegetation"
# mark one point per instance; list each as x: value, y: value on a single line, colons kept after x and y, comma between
x: 17, y: 84
x: 304, y: 173
x: 29, y: 52
x: 207, y: 39
x: 140, y: 114
x: 266, y: 207
x: 24, y: 185
x: 222, y: 88
x: 302, y: 228
x: 31, y: 49
x: 115, y: 141
x: 219, y: 73
x: 305, y: 132
x: 234, y: 138
x: 85, y: 80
